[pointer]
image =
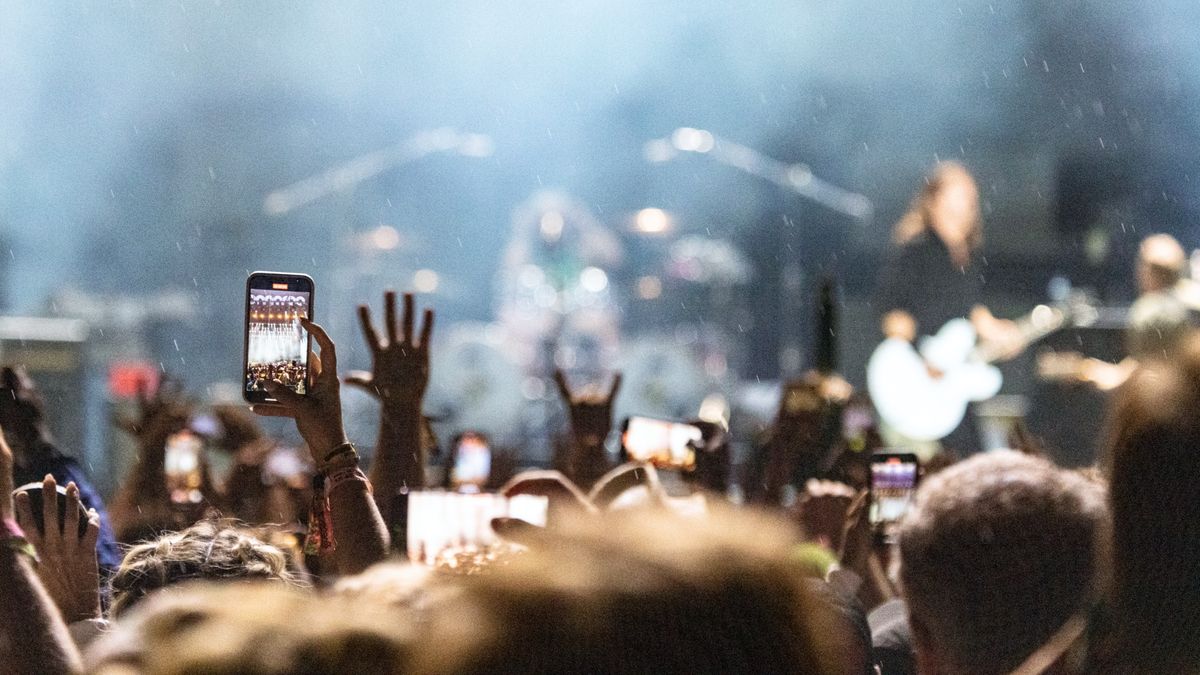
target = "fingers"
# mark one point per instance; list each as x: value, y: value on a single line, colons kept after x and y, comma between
x: 362, y: 380
x: 24, y: 509
x: 50, y: 508
x: 70, y: 528
x: 389, y: 315
x: 267, y: 410
x: 286, y: 397
x: 410, y: 315
x: 92, y: 534
x: 328, y: 350
x: 563, y: 389
x: 368, y: 328
x: 426, y: 329
x: 314, y: 367
x: 616, y: 387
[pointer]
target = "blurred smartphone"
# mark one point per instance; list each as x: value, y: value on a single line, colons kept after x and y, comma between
x: 663, y: 443
x: 182, y: 466
x: 472, y: 463
x: 893, y: 484
x: 36, y: 494
x: 277, y: 345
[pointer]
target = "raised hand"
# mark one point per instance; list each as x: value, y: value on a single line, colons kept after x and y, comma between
x: 591, y: 414
x: 359, y: 536
x: 399, y: 364
x: 67, y: 563
x: 318, y: 413
x: 160, y: 414
x: 591, y: 421
x: 823, y: 509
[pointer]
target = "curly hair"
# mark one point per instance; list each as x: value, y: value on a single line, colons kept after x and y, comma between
x: 208, y: 550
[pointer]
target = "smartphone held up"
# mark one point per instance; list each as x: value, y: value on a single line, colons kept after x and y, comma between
x: 276, y: 343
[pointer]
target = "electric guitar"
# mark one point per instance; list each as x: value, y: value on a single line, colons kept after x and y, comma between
x: 922, y: 393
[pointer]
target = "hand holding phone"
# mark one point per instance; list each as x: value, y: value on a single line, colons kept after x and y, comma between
x: 277, y: 344
x: 663, y: 443
x: 893, y: 485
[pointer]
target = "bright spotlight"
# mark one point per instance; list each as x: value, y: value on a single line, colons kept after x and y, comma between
x: 425, y: 281
x: 688, y: 139
x: 593, y: 279
x: 385, y: 238
x: 652, y: 221
x: 551, y: 225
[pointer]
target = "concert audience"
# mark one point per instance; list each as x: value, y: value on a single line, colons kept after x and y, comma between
x: 996, y: 555
x: 1001, y: 563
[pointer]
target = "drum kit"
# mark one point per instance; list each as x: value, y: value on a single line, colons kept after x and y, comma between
x: 560, y: 309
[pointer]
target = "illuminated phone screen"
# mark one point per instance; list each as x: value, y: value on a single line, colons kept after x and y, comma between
x: 277, y: 345
x: 893, y: 484
x: 663, y: 443
x: 472, y: 462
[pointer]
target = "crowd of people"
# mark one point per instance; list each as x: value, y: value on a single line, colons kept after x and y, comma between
x: 1005, y: 562
x: 289, y: 373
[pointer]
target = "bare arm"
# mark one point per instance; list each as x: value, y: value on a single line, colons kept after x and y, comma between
x: 33, y: 637
x: 398, y: 379
x: 357, y: 528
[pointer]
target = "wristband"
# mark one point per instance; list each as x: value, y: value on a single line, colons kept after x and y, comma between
x: 346, y: 475
x: 12, y: 537
x: 340, y: 457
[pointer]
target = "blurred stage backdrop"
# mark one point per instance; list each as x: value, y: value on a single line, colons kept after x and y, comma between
x: 598, y: 183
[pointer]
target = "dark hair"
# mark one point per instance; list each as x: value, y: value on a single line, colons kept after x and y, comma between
x: 1153, y: 457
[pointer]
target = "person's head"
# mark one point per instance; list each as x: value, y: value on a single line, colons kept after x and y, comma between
x: 209, y: 550
x: 1160, y: 263
x: 997, y: 553
x: 948, y: 206
x: 1153, y: 462
x: 254, y: 629
x: 635, y: 593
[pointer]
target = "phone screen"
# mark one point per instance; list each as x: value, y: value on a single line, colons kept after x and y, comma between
x: 663, y: 443
x: 472, y: 463
x: 893, y: 484
x: 182, y: 467
x: 276, y: 344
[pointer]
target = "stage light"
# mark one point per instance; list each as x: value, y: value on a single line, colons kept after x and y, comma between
x: 385, y: 238
x: 649, y: 287
x: 658, y: 150
x: 551, y: 225
x: 799, y: 175
x: 652, y: 221
x: 593, y: 279
x: 688, y: 139
x: 425, y: 281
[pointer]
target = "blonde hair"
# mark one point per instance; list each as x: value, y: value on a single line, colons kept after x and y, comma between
x: 214, y: 550
x: 653, y: 592
x: 918, y: 219
x: 254, y: 629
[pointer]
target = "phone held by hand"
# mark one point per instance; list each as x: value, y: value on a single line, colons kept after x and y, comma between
x: 181, y: 464
x: 472, y: 463
x: 276, y: 345
x: 893, y: 484
x: 663, y: 443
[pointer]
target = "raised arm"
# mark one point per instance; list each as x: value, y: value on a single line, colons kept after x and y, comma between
x: 398, y: 379
x: 347, y: 528
x: 591, y: 421
x: 33, y: 637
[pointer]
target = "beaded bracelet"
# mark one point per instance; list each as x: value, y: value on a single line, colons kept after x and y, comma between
x: 12, y: 537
